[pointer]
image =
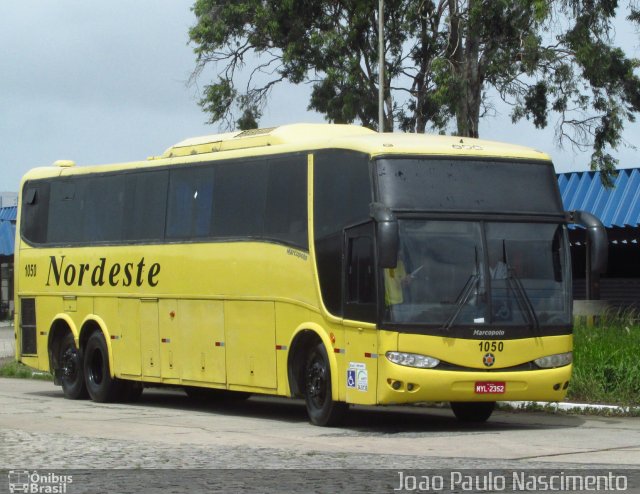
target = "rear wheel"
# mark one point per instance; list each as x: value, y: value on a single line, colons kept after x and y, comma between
x: 71, y: 372
x: 321, y: 407
x: 100, y: 385
x: 467, y: 411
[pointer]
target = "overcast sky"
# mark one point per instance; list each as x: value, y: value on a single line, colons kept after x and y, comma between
x: 103, y: 82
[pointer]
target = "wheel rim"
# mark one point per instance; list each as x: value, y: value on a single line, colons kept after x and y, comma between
x: 69, y: 364
x: 317, y: 383
x: 96, y: 367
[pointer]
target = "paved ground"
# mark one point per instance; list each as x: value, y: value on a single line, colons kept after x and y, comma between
x: 166, y: 442
x: 267, y: 445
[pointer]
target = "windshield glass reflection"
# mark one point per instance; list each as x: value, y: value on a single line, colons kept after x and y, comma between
x: 465, y: 273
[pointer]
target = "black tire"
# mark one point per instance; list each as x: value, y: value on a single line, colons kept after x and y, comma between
x: 478, y: 412
x: 70, y: 364
x: 100, y: 385
x: 321, y: 407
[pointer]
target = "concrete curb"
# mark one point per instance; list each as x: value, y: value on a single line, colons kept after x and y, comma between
x: 571, y: 407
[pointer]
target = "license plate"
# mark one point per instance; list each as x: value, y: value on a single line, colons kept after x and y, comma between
x: 490, y: 387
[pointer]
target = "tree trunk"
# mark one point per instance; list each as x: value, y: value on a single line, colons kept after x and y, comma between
x: 467, y: 70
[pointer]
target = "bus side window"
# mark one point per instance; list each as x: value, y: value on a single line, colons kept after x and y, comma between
x: 360, y: 289
x: 35, y: 212
x: 360, y: 281
x: 286, y: 204
x: 190, y: 201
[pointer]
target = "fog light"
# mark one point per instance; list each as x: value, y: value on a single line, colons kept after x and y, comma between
x: 410, y: 387
x: 396, y: 385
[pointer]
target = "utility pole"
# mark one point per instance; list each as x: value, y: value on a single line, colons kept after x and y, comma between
x: 381, y: 65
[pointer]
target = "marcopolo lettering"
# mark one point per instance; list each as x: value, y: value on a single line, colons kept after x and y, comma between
x: 102, y: 273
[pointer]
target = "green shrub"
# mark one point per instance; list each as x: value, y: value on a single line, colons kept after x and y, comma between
x: 607, y: 361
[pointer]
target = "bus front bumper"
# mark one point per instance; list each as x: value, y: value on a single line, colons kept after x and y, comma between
x: 398, y: 384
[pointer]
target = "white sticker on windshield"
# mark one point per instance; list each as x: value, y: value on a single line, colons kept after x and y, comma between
x: 478, y: 320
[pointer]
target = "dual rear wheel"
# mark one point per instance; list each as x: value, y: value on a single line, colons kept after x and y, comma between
x: 87, y: 374
x: 71, y: 369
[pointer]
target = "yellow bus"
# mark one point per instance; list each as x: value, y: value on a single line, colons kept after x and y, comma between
x: 327, y: 262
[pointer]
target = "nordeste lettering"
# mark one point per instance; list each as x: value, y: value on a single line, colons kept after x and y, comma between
x: 101, y: 273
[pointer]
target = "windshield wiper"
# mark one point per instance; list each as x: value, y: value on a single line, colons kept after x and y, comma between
x: 462, y: 298
x: 471, y: 283
x: 524, y: 302
x: 521, y: 296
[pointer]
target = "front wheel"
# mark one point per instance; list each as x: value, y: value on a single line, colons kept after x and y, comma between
x: 101, y: 386
x: 71, y: 372
x: 321, y: 407
x: 467, y: 411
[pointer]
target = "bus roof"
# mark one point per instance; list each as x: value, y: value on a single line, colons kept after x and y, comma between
x: 306, y: 137
x: 357, y: 138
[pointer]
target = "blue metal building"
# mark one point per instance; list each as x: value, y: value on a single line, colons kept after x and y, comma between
x: 7, y: 247
x: 619, y: 210
x: 7, y: 230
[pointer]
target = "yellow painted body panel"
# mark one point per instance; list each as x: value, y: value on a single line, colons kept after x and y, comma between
x: 127, y: 339
x: 250, y: 344
x: 361, y: 363
x: 197, y: 341
x: 149, y: 337
x: 226, y: 314
x: 210, y: 318
x: 171, y: 359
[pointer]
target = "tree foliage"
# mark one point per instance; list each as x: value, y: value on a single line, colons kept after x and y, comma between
x: 548, y: 59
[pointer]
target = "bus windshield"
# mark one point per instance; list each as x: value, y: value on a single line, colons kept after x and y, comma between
x: 475, y: 273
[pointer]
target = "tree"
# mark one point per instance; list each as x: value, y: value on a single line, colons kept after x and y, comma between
x: 543, y: 57
x: 332, y: 45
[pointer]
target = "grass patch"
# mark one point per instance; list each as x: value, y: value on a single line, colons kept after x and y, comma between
x: 11, y: 368
x: 605, y: 359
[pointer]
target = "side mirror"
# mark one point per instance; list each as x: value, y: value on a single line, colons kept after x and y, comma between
x: 598, y: 245
x: 387, y: 235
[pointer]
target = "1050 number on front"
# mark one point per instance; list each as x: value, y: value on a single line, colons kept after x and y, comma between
x: 491, y: 346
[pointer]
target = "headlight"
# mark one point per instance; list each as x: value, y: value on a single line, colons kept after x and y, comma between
x: 557, y: 360
x: 412, y: 360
